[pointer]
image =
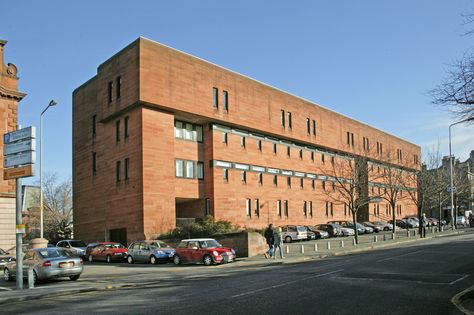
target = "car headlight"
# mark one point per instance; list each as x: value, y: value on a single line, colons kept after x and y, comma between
x: 232, y: 250
x: 215, y: 253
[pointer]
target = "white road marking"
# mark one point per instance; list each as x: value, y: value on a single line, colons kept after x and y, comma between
x: 402, y: 255
x: 460, y: 279
x: 6, y: 289
x: 285, y: 283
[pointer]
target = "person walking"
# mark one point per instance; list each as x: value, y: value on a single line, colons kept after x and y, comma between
x: 268, y: 234
x: 277, y: 243
x: 424, y: 223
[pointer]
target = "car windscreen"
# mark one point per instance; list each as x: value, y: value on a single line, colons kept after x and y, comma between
x: 77, y: 244
x: 114, y: 246
x: 301, y: 229
x: 159, y: 244
x: 2, y: 252
x: 50, y: 253
x: 210, y: 244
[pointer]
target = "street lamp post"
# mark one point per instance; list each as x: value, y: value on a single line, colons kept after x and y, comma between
x: 451, y: 169
x: 52, y: 103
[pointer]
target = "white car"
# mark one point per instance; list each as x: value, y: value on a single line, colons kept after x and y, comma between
x: 383, y: 225
x: 461, y: 220
x: 347, y: 231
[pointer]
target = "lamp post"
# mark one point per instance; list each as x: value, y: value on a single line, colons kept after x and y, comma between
x: 52, y: 103
x: 451, y: 189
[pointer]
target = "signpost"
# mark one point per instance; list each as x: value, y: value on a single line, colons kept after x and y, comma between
x: 451, y: 189
x: 19, y: 159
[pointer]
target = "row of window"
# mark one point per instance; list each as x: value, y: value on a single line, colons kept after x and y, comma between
x: 189, y: 169
x: 225, y: 99
x: 118, y: 168
x: 118, y: 87
x: 126, y: 132
x: 188, y: 131
x: 308, y: 126
x: 388, y: 209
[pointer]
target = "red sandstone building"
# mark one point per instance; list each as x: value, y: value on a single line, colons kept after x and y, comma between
x: 9, y: 98
x: 160, y: 136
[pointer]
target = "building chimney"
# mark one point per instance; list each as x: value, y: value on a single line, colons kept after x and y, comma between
x: 2, y: 44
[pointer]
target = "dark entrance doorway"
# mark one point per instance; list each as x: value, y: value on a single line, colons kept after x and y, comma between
x: 119, y: 236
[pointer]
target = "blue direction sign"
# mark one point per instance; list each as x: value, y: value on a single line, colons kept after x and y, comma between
x: 19, y: 146
x: 19, y: 159
x: 21, y: 134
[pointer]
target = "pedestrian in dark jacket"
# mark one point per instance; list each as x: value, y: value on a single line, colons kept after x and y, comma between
x: 268, y: 234
x: 424, y: 223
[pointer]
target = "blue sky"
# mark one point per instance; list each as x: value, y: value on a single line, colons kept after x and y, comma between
x: 371, y: 60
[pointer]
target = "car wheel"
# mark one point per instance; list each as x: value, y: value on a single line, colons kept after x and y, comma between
x: 90, y: 258
x: 153, y: 260
x: 288, y: 239
x: 6, y: 275
x: 386, y: 228
x: 74, y: 278
x: 108, y: 259
x: 35, y: 278
x: 207, y: 260
x: 176, y: 260
x: 130, y: 259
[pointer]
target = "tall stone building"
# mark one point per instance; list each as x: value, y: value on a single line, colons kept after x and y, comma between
x: 160, y: 137
x: 9, y: 98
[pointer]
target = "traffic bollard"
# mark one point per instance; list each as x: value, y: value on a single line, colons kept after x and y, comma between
x: 384, y: 237
x: 342, y: 243
x: 408, y: 233
x: 287, y: 249
x: 414, y: 232
x: 31, y: 279
x: 302, y: 249
x: 393, y: 236
x: 375, y: 239
x: 354, y: 242
x: 329, y: 245
x: 315, y: 247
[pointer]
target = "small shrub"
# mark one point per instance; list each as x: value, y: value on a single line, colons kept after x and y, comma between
x: 205, y: 228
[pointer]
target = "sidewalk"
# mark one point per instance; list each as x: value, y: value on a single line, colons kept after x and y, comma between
x: 293, y: 256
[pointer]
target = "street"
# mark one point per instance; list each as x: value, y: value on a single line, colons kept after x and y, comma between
x: 417, y: 279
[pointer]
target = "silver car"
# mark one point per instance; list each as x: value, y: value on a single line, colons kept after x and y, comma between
x: 4, y: 258
x: 76, y: 247
x: 47, y: 263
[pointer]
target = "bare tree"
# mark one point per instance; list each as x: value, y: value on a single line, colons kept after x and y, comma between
x: 57, y: 201
x: 348, y: 184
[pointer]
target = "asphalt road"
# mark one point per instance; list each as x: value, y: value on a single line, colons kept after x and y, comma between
x: 418, y: 279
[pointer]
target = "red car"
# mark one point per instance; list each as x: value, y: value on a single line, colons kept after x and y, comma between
x: 108, y: 251
x: 203, y: 250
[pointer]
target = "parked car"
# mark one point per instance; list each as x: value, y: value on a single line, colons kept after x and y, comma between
x: 292, y: 233
x: 334, y: 230
x: 202, y: 250
x: 76, y: 247
x: 47, y: 263
x: 347, y: 231
x: 348, y: 224
x: 151, y: 251
x: 401, y: 223
x: 5, y: 257
x: 89, y: 248
x: 108, y: 252
x: 461, y: 220
x: 413, y: 222
x: 385, y: 226
x: 319, y: 234
x: 375, y: 228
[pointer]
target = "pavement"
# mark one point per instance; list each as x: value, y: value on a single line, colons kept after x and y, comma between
x: 105, y: 277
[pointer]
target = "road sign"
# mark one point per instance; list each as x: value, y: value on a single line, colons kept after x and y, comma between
x: 19, y: 146
x: 20, y: 134
x: 18, y: 172
x: 451, y: 189
x: 19, y: 159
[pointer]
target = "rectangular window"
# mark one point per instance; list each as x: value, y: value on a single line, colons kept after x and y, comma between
x: 242, y: 142
x: 352, y: 139
x: 117, y: 130
x: 179, y: 168
x: 275, y: 180
x: 189, y: 169
x: 248, y: 210
x: 226, y: 175
x: 278, y: 208
x: 94, y: 163
x: 312, y: 156
x: 301, y: 154
x: 332, y: 209
x: 274, y: 148
x: 288, y: 181
x: 188, y: 131
x: 345, y: 209
x: 286, y: 208
x: 257, y: 208
x: 324, y: 185
x: 244, y: 176
x: 283, y: 118
x: 314, y: 127
x: 289, y: 120
x: 260, y: 178
x: 259, y: 145
x: 348, y: 137
x: 110, y: 96
x: 308, y: 126
x: 368, y: 144
x: 94, y: 123
x: 313, y: 183
x: 125, y: 127
x: 117, y: 171
x: 200, y: 170
x: 127, y: 169
x: 118, y: 82
x: 327, y: 209
x: 198, y: 133
x: 178, y: 129
x: 215, y: 97
x: 305, y: 210
x: 322, y: 158
x: 208, y: 206
x: 288, y: 151
x: 225, y: 100
x: 310, y: 207
x: 301, y: 182
x: 224, y: 137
